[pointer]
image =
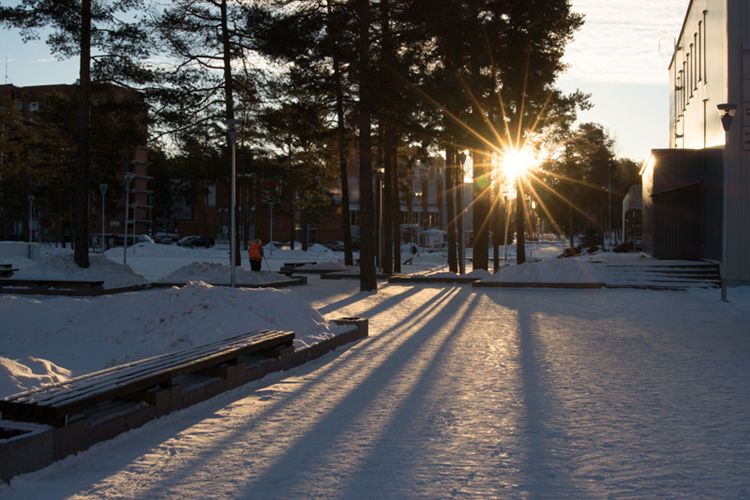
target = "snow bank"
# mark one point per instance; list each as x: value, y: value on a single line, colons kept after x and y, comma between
x: 156, y: 250
x: 551, y: 271
x: 313, y: 252
x: 219, y: 274
x: 60, y: 266
x: 85, y: 335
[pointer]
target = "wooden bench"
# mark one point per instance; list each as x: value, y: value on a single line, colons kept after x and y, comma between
x: 54, y: 403
x: 6, y: 270
x: 47, y: 286
x: 298, y: 264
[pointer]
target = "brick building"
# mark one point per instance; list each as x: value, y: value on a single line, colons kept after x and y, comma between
x: 45, y: 222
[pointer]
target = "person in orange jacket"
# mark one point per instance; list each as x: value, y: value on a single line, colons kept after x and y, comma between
x: 255, y: 253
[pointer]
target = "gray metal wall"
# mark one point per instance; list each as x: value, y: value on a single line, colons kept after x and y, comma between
x: 738, y: 78
x: 682, y: 204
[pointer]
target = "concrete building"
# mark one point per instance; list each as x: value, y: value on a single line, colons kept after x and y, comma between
x: 682, y: 190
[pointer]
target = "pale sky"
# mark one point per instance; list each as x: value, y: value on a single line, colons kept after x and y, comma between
x: 615, y: 57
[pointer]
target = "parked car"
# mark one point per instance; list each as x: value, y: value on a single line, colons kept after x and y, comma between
x: 139, y: 238
x: 196, y: 241
x: 165, y: 238
x: 337, y: 246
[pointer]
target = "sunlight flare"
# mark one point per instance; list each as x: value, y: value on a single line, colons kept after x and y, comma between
x: 517, y: 162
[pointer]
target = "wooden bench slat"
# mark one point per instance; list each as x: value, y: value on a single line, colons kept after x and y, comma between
x: 142, y: 365
x: 58, y: 400
x: 125, y: 374
x: 48, y: 282
x: 158, y: 372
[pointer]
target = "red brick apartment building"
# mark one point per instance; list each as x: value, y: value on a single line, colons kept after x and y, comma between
x: 45, y: 222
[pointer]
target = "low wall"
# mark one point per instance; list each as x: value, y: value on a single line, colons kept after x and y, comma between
x: 20, y: 249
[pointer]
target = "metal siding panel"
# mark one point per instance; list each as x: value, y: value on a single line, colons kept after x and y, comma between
x: 738, y: 33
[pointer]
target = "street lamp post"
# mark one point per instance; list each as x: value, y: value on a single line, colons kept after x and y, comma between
x: 507, y: 221
x: 271, y: 204
x: 135, y: 209
x: 418, y: 196
x: 380, y: 171
x: 232, y: 133
x: 609, y: 203
x: 31, y: 207
x: 128, y: 179
x: 103, y: 189
x: 726, y: 113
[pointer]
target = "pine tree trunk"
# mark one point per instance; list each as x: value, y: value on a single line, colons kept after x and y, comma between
x: 292, y: 210
x: 389, y: 147
x: 497, y: 229
x: 450, y: 155
x: 388, y: 202
x: 571, y: 231
x: 341, y: 127
x: 368, y: 277
x: 81, y: 251
x: 395, y: 211
x: 229, y: 93
x: 480, y: 214
x: 459, y: 179
x: 520, y: 236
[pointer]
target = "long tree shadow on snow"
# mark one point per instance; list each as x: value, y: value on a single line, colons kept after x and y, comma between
x: 352, y: 414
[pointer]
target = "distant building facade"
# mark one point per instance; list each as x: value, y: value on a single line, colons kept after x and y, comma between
x: 45, y: 224
x: 211, y: 216
x: 682, y: 189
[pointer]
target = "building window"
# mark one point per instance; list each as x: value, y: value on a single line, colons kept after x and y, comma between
x: 354, y: 217
x: 19, y: 104
x: 33, y: 106
x: 683, y: 79
x: 697, y: 59
x: 690, y: 70
x: 703, y: 42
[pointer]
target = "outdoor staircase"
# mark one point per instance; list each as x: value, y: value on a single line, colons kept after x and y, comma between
x: 665, y: 275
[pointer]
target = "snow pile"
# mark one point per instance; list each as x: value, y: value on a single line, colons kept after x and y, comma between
x: 631, y: 258
x: 85, y: 335
x: 318, y: 248
x: 314, y: 251
x: 28, y: 373
x: 153, y: 250
x: 551, y: 271
x: 60, y: 266
x: 219, y: 274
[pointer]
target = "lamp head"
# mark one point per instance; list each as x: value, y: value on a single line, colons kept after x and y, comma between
x: 726, y: 113
x: 232, y: 124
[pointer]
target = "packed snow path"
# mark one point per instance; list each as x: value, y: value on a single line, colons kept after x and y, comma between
x: 463, y: 393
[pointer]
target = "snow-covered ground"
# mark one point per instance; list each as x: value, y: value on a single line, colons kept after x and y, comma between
x: 458, y: 391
